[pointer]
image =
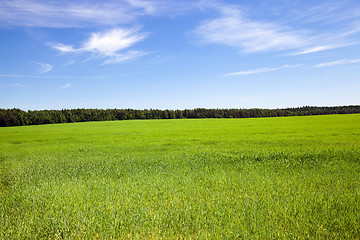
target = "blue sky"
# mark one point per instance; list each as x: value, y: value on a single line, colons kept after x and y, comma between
x: 179, y: 54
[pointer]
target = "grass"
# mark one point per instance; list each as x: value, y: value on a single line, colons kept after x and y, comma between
x: 268, y: 178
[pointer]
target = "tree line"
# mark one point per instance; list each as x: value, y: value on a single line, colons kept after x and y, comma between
x: 18, y: 117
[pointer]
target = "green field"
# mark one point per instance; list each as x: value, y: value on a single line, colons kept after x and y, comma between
x: 266, y: 178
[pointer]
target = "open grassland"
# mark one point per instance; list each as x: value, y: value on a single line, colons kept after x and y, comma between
x: 268, y: 178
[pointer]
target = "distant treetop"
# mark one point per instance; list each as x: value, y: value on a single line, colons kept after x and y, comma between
x: 18, y: 117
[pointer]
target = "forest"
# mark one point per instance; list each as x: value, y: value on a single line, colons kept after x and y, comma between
x: 18, y: 117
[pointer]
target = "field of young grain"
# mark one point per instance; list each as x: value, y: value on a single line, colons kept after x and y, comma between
x: 268, y: 178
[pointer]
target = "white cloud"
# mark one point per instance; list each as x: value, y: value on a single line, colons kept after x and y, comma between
x: 233, y: 29
x: 130, y: 55
x: 338, y: 62
x: 318, y: 29
x: 65, y: 14
x: 85, y: 13
x: 67, y: 85
x: 272, y: 69
x: 148, y: 6
x: 64, y: 48
x: 13, y: 85
x: 319, y: 48
x: 44, y: 67
x: 108, y: 44
x: 328, y: 13
x: 302, y: 29
x: 249, y: 72
x: 46, y: 77
x: 260, y: 70
x: 17, y: 85
x: 113, y: 40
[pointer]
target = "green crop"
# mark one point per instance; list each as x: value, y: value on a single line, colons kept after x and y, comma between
x: 266, y: 178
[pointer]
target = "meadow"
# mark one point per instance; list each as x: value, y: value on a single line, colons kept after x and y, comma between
x: 264, y: 178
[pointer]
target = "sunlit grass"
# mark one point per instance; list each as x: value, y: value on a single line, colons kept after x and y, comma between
x: 271, y: 178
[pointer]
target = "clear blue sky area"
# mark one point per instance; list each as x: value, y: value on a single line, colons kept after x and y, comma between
x: 179, y: 54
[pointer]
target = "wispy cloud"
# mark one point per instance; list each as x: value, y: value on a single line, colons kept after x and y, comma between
x: 64, y: 48
x: 17, y: 85
x: 46, y: 77
x: 108, y: 44
x: 260, y: 70
x: 44, y: 67
x: 65, y: 14
x: 319, y: 29
x: 14, y: 85
x: 325, y: 13
x: 67, y: 85
x: 86, y: 13
x: 329, y: 25
x: 338, y: 62
x: 314, y: 49
x: 272, y: 69
x: 118, y: 57
x: 235, y: 30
